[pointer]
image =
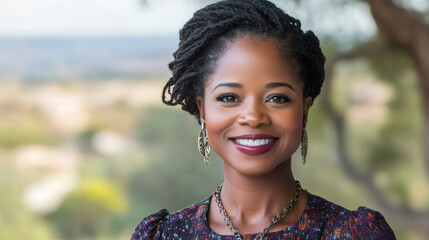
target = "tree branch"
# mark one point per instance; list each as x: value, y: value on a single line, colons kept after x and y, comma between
x: 396, y: 23
x: 418, y: 220
x: 407, y: 31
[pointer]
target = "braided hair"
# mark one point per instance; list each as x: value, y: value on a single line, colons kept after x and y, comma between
x: 205, y: 36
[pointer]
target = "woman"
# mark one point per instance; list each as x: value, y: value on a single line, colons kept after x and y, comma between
x: 249, y: 74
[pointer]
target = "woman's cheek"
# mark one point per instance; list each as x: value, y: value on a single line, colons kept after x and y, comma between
x: 217, y: 120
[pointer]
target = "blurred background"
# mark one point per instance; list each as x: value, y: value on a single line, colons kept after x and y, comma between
x: 87, y: 149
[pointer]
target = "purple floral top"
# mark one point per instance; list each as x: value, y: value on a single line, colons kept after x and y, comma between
x: 321, y: 220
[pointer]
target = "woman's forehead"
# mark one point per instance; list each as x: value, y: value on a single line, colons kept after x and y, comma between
x: 252, y: 58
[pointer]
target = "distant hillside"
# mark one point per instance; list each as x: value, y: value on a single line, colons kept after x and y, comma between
x: 52, y: 59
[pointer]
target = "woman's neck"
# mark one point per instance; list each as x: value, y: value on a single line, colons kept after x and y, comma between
x: 252, y: 202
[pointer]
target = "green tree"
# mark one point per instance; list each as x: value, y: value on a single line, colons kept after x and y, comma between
x: 403, y: 34
x: 89, y: 211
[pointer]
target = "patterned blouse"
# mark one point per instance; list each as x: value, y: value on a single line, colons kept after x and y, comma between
x: 321, y: 220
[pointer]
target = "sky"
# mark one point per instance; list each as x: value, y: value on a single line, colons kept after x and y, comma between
x: 92, y: 18
x: 106, y: 18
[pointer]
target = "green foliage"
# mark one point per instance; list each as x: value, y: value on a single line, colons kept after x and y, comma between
x: 16, y: 222
x: 89, y: 210
x: 12, y: 135
x: 401, y: 133
x: 330, y: 47
x: 390, y: 149
x: 391, y: 67
x: 399, y: 136
x: 173, y: 178
x: 84, y: 138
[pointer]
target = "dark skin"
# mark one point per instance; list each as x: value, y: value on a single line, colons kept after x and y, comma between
x: 254, y: 90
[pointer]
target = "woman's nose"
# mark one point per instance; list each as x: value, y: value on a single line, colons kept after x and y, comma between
x: 254, y: 114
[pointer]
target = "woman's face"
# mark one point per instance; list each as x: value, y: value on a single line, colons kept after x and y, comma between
x: 253, y: 107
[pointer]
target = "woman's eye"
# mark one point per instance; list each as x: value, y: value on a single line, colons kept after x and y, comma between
x: 227, y: 98
x: 278, y: 99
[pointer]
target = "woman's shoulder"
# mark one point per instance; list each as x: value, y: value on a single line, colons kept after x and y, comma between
x: 162, y: 224
x: 341, y: 223
x: 149, y: 225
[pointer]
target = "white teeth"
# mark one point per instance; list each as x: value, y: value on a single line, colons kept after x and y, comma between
x: 253, y: 143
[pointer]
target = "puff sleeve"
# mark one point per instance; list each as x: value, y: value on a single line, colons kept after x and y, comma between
x: 366, y: 223
x: 363, y: 223
x: 150, y: 226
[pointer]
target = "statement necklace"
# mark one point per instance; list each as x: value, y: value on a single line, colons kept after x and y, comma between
x: 273, y: 221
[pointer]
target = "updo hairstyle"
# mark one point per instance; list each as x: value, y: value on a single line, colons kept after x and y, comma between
x: 205, y: 36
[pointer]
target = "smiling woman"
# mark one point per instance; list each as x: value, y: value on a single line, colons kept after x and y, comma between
x: 249, y: 74
x: 253, y: 96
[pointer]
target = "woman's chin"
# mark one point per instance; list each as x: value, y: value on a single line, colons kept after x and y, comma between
x: 254, y: 168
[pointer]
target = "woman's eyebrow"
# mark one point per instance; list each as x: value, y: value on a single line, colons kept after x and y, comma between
x: 234, y: 85
x: 277, y: 84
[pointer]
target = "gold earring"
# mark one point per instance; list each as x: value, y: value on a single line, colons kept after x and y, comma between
x: 304, y: 145
x: 203, y: 144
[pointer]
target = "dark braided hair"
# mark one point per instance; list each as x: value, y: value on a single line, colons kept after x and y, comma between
x: 204, y: 38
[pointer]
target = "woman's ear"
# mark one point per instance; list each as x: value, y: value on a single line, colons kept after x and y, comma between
x: 307, y: 104
x: 200, y: 104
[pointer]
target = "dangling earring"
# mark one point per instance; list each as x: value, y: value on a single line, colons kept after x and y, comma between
x: 203, y: 143
x: 304, y: 145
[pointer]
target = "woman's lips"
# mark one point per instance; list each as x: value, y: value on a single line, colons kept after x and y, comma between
x: 254, y: 144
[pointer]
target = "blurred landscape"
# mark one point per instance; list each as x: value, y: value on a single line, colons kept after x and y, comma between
x: 44, y: 59
x: 87, y: 149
